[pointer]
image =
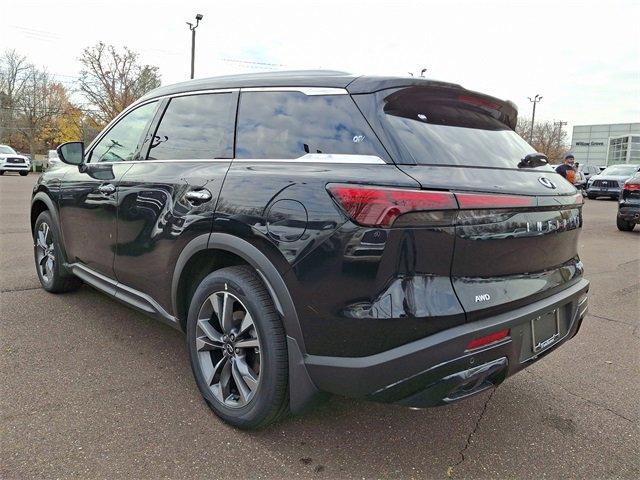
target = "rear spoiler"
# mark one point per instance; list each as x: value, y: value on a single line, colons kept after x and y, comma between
x: 506, y: 110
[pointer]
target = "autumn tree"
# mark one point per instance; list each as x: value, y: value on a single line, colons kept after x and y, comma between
x: 112, y: 79
x: 548, y: 138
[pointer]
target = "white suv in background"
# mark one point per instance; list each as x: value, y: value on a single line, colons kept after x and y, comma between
x: 10, y: 161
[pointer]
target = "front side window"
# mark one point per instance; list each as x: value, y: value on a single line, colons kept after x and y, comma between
x: 196, y: 127
x: 121, y: 142
x: 289, y: 125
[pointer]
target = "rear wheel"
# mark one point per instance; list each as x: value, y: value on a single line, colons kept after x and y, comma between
x: 237, y: 348
x: 47, y: 253
x: 624, y: 225
x: 1, y: 172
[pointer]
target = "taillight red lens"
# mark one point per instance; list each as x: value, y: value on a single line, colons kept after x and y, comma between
x: 488, y: 339
x: 632, y: 186
x: 482, y: 200
x: 380, y: 206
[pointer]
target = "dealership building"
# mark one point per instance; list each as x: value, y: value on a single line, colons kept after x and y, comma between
x: 606, y: 144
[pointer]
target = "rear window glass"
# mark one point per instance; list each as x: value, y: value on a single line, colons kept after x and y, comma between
x: 195, y: 127
x: 288, y: 125
x: 436, y: 126
x: 620, y: 170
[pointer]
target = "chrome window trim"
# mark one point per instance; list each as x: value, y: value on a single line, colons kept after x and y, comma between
x: 133, y: 106
x: 317, y: 158
x: 305, y: 90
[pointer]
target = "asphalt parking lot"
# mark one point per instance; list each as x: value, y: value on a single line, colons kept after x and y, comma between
x: 91, y: 389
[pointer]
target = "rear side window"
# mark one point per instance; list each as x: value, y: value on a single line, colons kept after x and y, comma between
x: 289, y: 125
x: 195, y: 127
x: 444, y: 126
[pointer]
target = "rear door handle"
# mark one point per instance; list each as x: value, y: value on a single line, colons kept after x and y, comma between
x: 107, y: 189
x: 198, y: 196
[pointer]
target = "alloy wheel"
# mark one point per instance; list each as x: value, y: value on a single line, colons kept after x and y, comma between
x: 45, y: 252
x: 228, y: 349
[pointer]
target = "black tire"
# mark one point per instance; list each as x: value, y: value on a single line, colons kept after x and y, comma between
x: 24, y: 174
x: 1, y: 172
x: 624, y: 225
x: 270, y: 399
x: 58, y: 280
x: 591, y: 196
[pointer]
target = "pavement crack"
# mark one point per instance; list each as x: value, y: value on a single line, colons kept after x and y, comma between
x: 26, y: 289
x: 585, y: 400
x: 608, y: 319
x: 471, y: 434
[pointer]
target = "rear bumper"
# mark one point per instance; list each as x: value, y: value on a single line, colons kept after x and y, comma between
x: 437, y: 369
x: 606, y: 192
x: 630, y: 213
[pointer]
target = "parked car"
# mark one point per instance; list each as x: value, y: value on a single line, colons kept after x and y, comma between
x: 588, y: 171
x: 11, y: 161
x: 52, y: 158
x: 610, y: 181
x: 629, y: 204
x: 236, y: 209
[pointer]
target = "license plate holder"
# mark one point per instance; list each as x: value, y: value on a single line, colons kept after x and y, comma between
x: 545, y: 330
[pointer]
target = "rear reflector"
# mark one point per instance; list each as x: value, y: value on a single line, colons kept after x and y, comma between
x: 380, y: 206
x: 488, y: 200
x: 487, y: 339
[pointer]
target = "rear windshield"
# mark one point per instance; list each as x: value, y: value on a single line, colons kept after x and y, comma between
x: 437, y: 126
x: 620, y: 170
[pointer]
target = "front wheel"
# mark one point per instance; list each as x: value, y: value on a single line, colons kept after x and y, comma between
x: 237, y: 348
x: 624, y: 225
x: 24, y: 174
x: 51, y: 273
x: 590, y: 196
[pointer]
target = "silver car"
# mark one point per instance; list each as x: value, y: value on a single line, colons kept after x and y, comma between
x: 610, y: 181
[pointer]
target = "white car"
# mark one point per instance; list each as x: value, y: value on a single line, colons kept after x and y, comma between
x: 10, y: 161
x: 52, y: 158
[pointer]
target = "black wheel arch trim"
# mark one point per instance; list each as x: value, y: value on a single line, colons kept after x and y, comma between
x: 42, y: 196
x: 302, y: 390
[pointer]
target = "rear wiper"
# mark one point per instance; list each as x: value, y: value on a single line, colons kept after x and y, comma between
x: 534, y: 160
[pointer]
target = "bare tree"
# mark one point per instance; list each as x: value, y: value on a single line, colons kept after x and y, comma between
x: 548, y: 138
x: 14, y: 70
x: 111, y: 79
x: 41, y: 102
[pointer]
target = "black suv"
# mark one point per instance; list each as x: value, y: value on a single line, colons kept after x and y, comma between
x: 375, y: 237
x: 629, y: 204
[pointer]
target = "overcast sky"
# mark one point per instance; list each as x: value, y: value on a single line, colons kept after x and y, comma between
x: 583, y: 57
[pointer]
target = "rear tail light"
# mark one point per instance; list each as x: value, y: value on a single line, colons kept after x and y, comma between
x: 632, y: 186
x: 380, y: 206
x: 373, y: 206
x: 488, y: 339
x: 489, y: 201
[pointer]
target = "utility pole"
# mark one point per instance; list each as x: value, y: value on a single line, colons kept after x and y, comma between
x: 422, y: 72
x: 533, y: 100
x: 193, y: 27
x: 559, y: 124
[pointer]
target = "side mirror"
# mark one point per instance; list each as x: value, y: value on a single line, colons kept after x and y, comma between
x: 71, y: 153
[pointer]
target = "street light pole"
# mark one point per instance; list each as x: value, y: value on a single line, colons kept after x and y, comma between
x: 534, y: 100
x: 193, y: 27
